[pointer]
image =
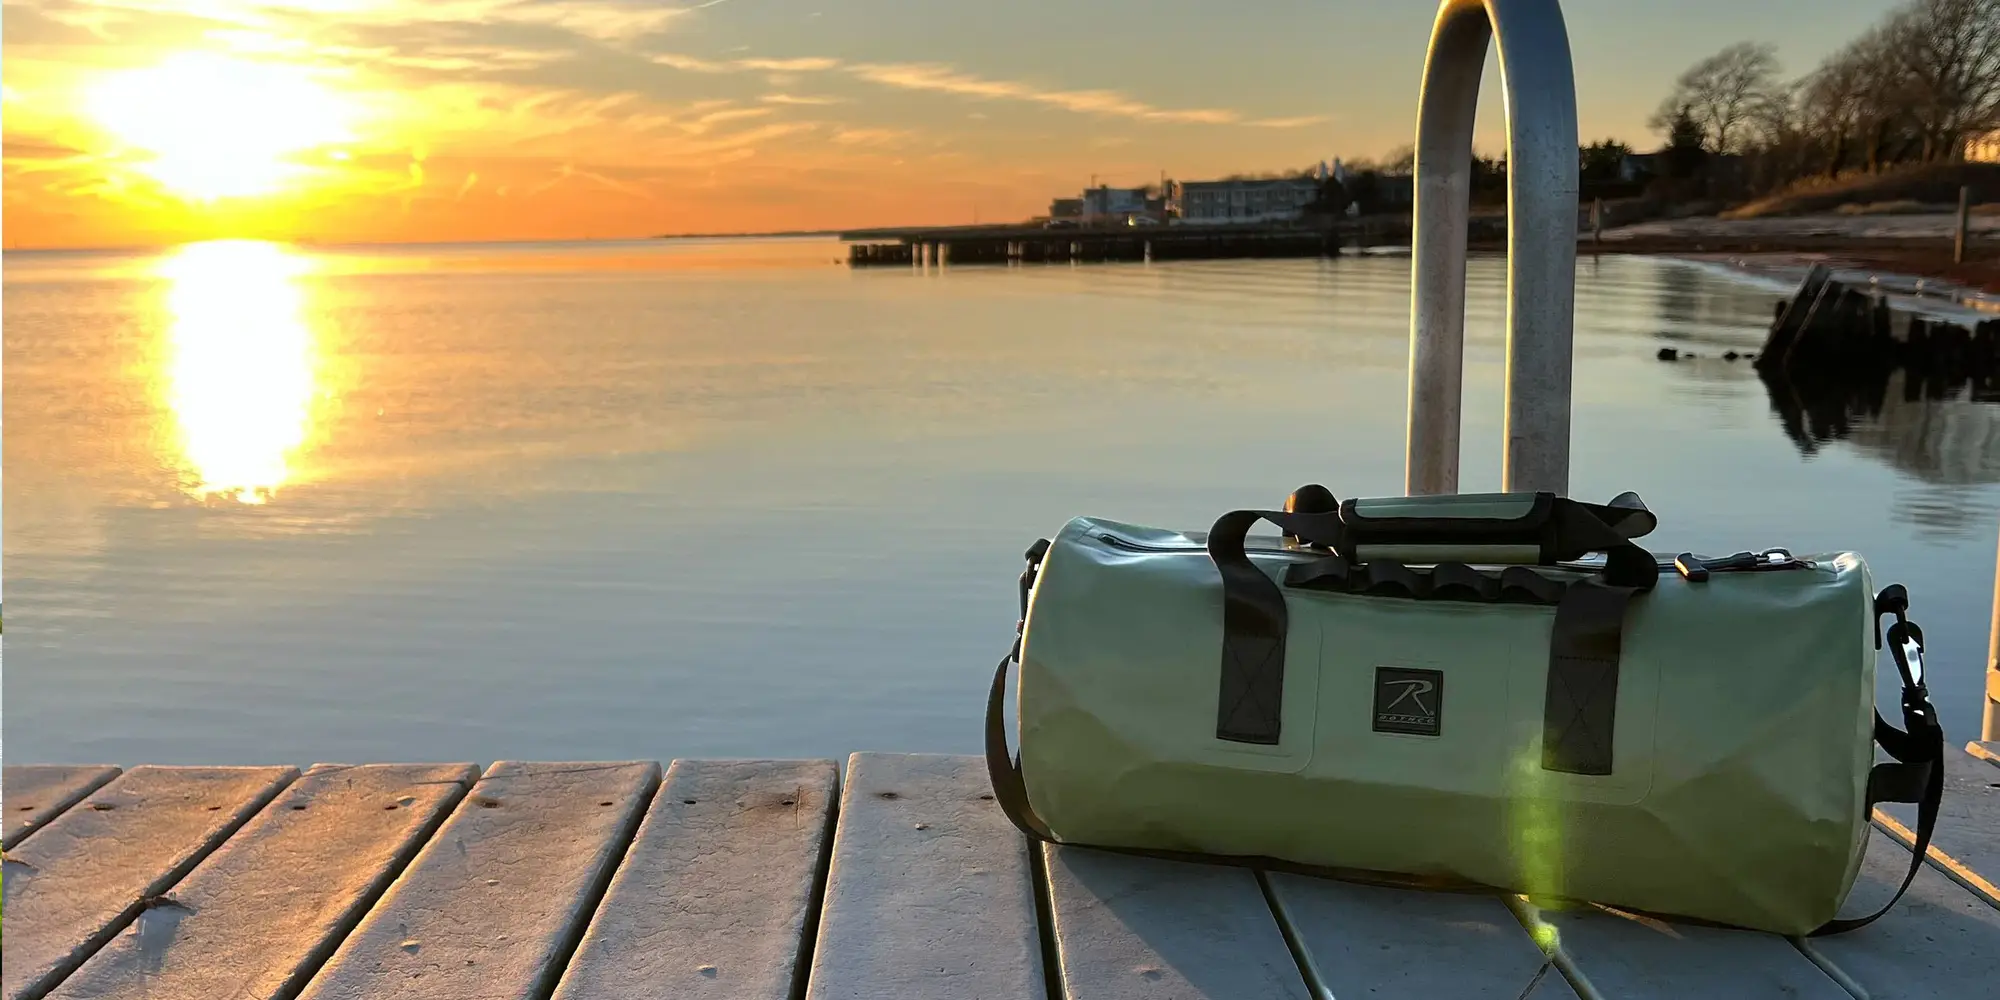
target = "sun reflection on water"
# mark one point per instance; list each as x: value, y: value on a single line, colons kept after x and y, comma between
x: 240, y: 376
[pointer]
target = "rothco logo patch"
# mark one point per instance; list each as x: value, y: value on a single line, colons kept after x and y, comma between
x: 1408, y: 701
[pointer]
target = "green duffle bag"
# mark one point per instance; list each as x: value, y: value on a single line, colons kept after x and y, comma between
x: 1500, y: 691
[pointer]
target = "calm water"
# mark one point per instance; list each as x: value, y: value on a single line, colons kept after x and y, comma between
x: 648, y: 500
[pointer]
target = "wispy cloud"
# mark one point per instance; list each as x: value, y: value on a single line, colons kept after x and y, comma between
x: 808, y: 64
x: 939, y: 78
x: 1300, y: 121
x: 800, y: 100
x: 871, y: 136
x: 570, y: 171
x: 702, y: 124
x: 696, y: 64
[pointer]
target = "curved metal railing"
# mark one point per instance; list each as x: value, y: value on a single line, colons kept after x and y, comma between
x: 1540, y: 87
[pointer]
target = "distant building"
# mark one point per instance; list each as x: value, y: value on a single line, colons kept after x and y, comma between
x: 1983, y: 148
x: 1220, y: 202
x: 1110, y: 206
x: 1066, y: 209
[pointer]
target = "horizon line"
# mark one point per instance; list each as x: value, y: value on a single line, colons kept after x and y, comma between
x: 364, y: 244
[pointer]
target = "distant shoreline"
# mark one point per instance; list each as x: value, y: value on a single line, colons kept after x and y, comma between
x: 746, y: 236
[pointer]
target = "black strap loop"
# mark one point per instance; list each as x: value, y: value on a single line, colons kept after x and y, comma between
x: 1250, y: 695
x: 1580, y: 705
x: 1454, y: 581
x: 1917, y: 772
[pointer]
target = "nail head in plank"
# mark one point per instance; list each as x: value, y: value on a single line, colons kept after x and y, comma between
x: 929, y: 895
x: 1966, y: 845
x: 37, y: 793
x: 256, y: 919
x: 718, y: 890
x: 1368, y: 940
x: 80, y: 878
x: 1940, y: 940
x: 1129, y: 927
x: 1642, y: 958
x: 498, y: 896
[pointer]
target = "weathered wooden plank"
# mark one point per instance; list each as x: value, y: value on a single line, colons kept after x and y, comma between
x: 1129, y: 927
x: 1940, y: 940
x: 929, y: 895
x: 495, y: 902
x: 255, y: 920
x: 37, y: 793
x: 1966, y: 845
x: 718, y: 891
x: 1617, y: 954
x: 1370, y: 941
x: 82, y: 877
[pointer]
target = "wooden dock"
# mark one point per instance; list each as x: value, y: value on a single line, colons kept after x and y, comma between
x: 770, y: 880
x: 938, y: 246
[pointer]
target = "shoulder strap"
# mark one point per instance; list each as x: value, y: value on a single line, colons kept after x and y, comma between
x: 1009, y: 790
x: 1917, y: 772
x: 1004, y: 770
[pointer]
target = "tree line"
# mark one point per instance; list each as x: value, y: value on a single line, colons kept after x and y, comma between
x: 1915, y: 88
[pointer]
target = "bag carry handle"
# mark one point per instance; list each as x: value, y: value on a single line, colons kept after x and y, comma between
x: 1476, y: 527
x: 1583, y: 663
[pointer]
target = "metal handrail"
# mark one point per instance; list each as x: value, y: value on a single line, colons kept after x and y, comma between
x: 1989, y: 723
x: 1540, y: 86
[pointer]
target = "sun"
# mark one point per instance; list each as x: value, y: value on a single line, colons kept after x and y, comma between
x: 209, y: 126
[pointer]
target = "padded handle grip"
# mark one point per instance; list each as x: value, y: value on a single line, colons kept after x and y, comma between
x: 1532, y: 528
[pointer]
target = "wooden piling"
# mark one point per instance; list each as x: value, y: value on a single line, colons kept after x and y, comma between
x: 1964, y: 223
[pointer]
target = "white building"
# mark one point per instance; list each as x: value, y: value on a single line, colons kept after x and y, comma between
x: 1220, y: 202
x: 1105, y: 205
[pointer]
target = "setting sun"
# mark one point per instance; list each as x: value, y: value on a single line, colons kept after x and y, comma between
x: 211, y: 127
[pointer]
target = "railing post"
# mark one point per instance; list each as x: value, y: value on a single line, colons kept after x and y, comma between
x: 1989, y: 727
x: 1540, y: 86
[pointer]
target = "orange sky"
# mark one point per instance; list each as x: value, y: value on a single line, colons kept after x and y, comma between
x: 158, y: 121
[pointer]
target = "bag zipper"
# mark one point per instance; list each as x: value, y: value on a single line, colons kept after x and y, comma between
x: 1119, y: 542
x: 1131, y: 546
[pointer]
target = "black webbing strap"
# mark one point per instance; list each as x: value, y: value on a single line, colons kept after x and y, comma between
x: 1250, y: 700
x: 1582, y: 696
x: 1009, y: 790
x: 1917, y: 772
x: 1583, y: 682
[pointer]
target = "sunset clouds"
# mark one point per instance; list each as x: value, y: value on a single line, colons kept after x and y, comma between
x: 482, y: 119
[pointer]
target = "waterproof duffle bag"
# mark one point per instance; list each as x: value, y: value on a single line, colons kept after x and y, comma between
x: 1501, y: 691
